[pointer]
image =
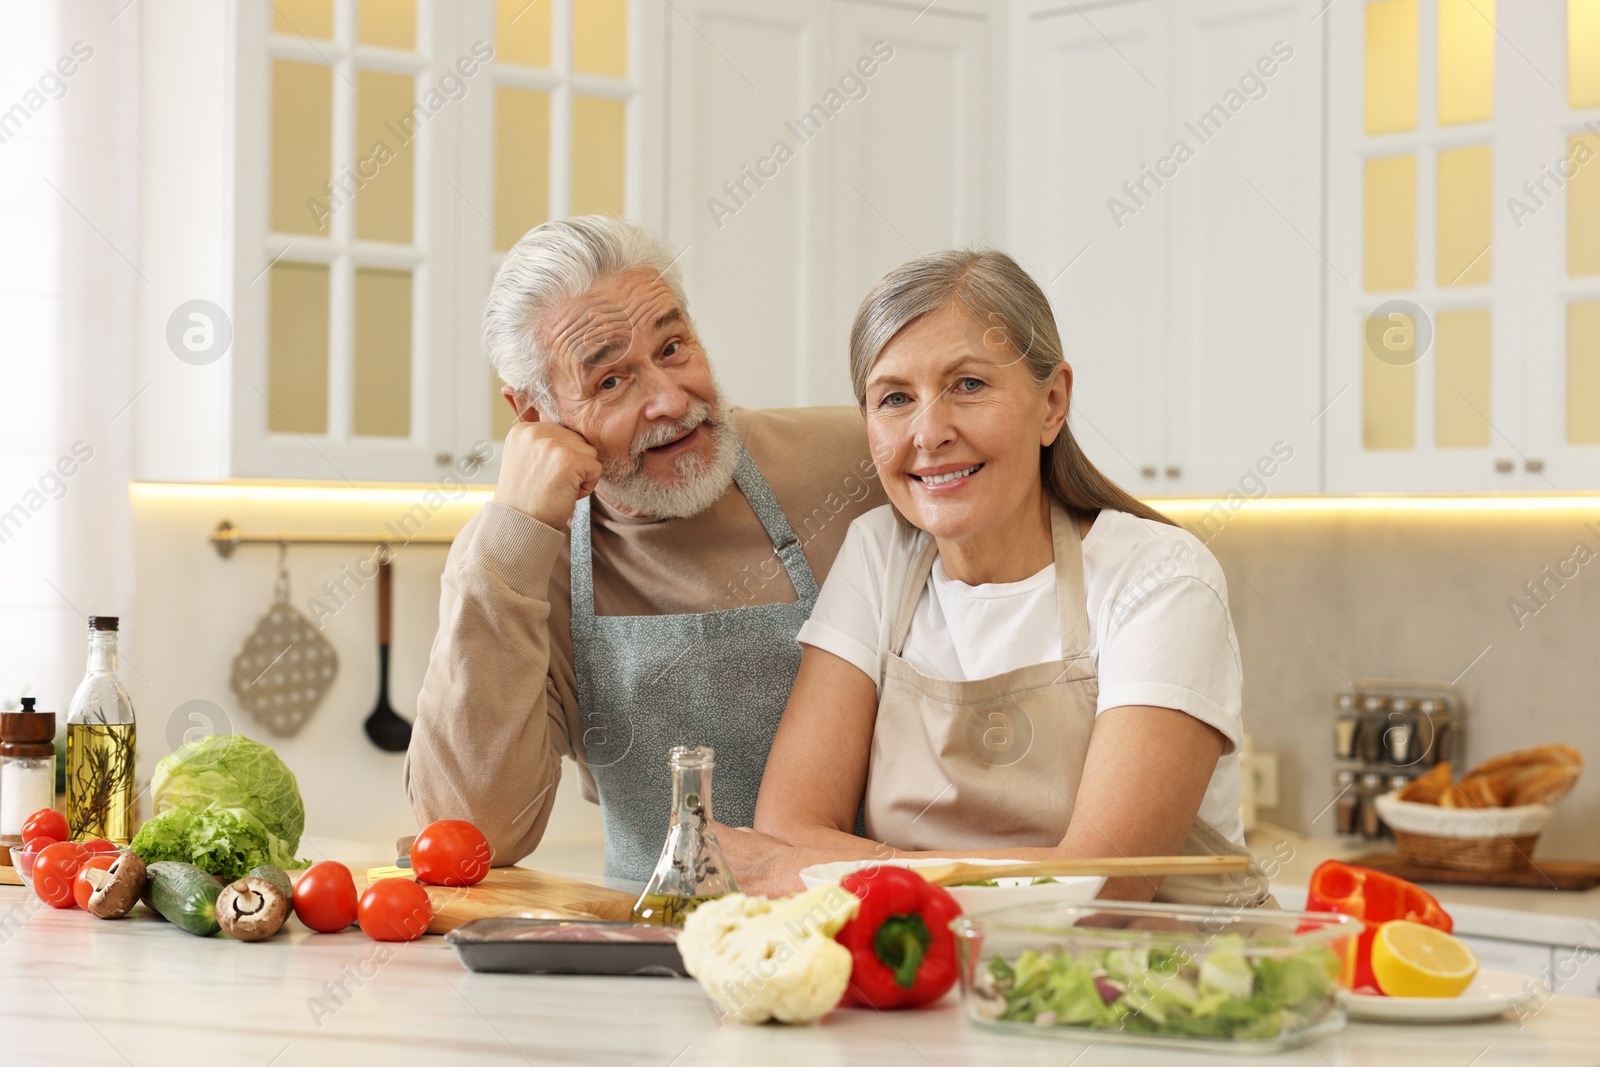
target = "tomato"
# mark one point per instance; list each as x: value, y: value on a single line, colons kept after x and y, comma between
x: 99, y: 844
x: 325, y: 897
x: 100, y: 861
x: 55, y: 870
x: 46, y: 822
x: 451, y: 852
x: 395, y: 909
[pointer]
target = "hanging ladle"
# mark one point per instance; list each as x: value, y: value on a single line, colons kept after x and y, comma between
x: 386, y: 729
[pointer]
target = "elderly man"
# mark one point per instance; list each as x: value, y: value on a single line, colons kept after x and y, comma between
x: 640, y: 576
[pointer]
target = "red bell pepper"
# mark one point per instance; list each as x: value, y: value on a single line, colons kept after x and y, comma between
x: 1374, y: 898
x: 904, y: 952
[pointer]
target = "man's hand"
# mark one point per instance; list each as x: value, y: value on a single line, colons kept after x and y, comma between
x: 544, y: 470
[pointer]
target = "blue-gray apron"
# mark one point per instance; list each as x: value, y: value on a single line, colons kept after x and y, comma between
x: 649, y: 682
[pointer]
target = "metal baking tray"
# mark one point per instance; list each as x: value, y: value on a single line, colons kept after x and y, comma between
x: 568, y: 946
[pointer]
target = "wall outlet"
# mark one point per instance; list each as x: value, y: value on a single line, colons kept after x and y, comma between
x: 1263, y: 770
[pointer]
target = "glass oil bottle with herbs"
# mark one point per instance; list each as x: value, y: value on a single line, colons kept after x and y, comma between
x: 692, y: 869
x: 101, y: 745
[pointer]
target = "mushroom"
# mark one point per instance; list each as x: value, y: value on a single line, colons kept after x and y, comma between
x: 252, y: 909
x: 116, y: 889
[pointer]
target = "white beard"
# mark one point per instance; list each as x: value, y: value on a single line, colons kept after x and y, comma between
x: 700, y: 481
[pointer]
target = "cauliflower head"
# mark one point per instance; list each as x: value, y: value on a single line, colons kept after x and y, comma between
x: 762, y: 959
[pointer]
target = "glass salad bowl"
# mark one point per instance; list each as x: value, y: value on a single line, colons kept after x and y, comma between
x: 1226, y: 979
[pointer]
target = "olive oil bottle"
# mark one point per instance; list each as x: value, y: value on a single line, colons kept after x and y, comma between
x: 101, y: 745
x: 692, y: 869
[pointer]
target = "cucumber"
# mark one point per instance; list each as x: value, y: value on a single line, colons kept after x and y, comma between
x: 185, y: 896
x: 276, y: 876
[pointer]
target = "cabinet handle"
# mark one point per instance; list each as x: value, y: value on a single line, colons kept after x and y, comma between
x: 1148, y: 473
x: 1534, y: 466
x: 443, y: 459
x: 1174, y: 472
x: 1504, y: 466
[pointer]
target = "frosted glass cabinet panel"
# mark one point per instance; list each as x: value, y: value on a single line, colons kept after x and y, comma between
x: 388, y: 153
x: 1494, y: 274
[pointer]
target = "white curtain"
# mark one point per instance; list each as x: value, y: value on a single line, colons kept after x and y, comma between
x: 69, y: 276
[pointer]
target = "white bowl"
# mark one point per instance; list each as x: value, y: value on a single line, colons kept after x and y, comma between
x: 972, y: 898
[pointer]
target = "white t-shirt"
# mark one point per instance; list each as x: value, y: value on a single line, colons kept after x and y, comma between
x: 1159, y: 629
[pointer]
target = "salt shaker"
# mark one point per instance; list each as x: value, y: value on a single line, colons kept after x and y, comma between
x: 27, y: 769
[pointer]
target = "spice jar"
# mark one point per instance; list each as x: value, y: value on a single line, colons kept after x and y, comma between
x: 1347, y: 803
x: 27, y: 770
x: 1347, y: 726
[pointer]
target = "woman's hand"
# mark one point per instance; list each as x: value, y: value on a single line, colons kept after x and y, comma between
x: 764, y: 866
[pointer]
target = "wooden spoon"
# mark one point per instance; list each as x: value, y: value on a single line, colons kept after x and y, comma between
x: 957, y: 872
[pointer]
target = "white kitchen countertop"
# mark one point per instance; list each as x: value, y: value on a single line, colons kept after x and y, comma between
x: 1540, y: 916
x: 74, y: 989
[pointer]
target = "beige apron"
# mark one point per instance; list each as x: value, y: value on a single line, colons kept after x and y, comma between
x: 996, y: 763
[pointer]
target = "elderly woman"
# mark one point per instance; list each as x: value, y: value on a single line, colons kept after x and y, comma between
x: 1014, y: 658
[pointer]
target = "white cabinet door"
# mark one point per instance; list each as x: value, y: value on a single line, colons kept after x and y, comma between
x: 1561, y: 286
x: 912, y: 169
x: 1092, y: 109
x: 747, y: 174
x: 814, y: 145
x: 1404, y: 194
x: 1244, y: 172
x: 359, y: 387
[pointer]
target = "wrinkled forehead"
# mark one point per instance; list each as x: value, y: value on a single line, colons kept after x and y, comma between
x: 602, y: 325
x: 954, y: 333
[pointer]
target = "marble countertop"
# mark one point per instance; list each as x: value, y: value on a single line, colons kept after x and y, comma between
x: 74, y: 989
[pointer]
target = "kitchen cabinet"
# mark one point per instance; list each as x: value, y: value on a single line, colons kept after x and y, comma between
x: 357, y: 172
x: 819, y: 143
x: 1464, y: 302
x: 1167, y: 192
x: 1234, y: 206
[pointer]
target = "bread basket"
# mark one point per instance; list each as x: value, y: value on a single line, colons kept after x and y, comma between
x: 1464, y: 839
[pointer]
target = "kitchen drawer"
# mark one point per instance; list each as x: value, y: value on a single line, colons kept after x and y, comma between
x: 1518, y: 957
x: 1576, y: 970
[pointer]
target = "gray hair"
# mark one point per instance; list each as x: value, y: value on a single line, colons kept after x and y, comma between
x: 999, y: 295
x: 553, y: 263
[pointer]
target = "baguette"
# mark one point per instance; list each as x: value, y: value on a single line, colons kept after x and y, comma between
x: 1545, y: 785
x: 1476, y: 793
x: 1428, y: 788
x: 1527, y: 758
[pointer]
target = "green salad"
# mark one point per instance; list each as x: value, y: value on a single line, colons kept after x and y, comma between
x: 1223, y: 994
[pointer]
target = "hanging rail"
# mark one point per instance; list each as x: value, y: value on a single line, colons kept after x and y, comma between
x: 227, y: 537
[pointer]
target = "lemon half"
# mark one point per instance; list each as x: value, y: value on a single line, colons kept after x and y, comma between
x: 1413, y: 960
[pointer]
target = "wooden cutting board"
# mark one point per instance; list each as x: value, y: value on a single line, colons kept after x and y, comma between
x: 9, y: 875
x: 513, y: 891
x: 1544, y: 874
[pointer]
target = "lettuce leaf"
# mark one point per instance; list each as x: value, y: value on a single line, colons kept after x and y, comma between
x: 219, y: 840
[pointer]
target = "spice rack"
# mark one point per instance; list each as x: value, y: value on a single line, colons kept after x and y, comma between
x: 1385, y: 733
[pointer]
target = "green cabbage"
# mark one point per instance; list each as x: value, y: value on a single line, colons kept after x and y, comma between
x: 223, y: 841
x: 232, y: 772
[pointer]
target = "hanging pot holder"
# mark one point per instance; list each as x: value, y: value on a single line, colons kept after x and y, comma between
x: 285, y: 667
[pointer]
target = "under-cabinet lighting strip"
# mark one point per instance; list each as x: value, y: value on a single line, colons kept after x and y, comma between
x: 478, y: 495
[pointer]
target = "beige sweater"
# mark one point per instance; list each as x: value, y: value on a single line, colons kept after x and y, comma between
x: 499, y: 704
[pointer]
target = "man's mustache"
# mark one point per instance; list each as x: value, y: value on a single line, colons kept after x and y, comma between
x: 697, y: 415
